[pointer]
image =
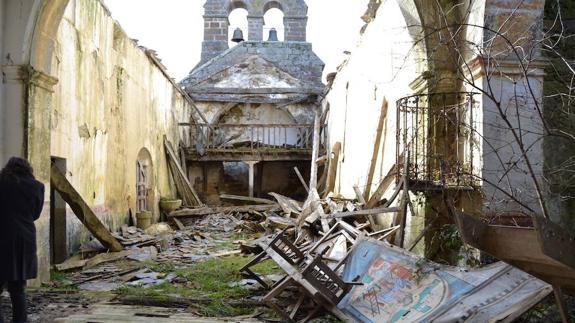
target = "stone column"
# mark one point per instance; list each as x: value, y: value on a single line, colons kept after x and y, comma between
x: 215, y: 36
x: 255, y: 28
x: 251, y: 165
x: 12, y: 132
x: 295, y: 28
x: 26, y: 133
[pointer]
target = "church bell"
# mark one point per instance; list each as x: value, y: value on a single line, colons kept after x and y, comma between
x: 238, y: 36
x: 273, y: 35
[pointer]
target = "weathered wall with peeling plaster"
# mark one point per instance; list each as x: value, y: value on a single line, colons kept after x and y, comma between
x: 111, y: 101
x: 381, y: 66
x: 386, y: 65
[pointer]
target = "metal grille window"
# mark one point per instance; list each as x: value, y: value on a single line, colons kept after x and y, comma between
x: 141, y: 187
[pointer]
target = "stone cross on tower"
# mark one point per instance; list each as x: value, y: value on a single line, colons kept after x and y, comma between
x: 216, y: 22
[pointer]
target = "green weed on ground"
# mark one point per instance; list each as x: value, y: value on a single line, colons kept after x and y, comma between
x: 210, y: 280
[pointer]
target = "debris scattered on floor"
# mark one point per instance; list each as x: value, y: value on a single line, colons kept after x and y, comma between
x: 329, y: 257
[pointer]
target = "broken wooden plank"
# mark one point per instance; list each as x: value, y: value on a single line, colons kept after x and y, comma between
x: 361, y: 200
x: 332, y: 167
x: 223, y: 209
x: 287, y: 204
x: 315, y: 151
x: 297, y: 172
x: 185, y: 189
x: 358, y: 195
x: 71, y: 264
x: 364, y: 212
x: 82, y: 210
x: 321, y: 160
x: 246, y: 199
x: 375, y: 154
x: 107, y: 257
x: 383, y: 186
x: 179, y: 224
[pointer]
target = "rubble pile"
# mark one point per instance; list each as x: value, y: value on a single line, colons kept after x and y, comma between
x: 332, y: 256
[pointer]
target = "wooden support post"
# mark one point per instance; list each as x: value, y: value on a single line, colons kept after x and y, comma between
x: 383, y: 185
x: 315, y: 151
x: 186, y: 190
x: 301, y: 178
x: 82, y: 210
x: 332, y: 167
x: 361, y: 200
x: 375, y: 154
x: 251, y: 165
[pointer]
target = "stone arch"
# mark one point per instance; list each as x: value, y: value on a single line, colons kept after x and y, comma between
x: 272, y: 11
x: 220, y: 115
x: 237, y: 4
x: 272, y: 5
x: 257, y: 115
x: 45, y: 32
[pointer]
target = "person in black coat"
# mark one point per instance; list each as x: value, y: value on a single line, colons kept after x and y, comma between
x: 21, y: 202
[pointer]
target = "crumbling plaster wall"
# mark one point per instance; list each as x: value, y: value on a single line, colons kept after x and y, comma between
x: 384, y: 66
x: 381, y: 67
x: 111, y: 101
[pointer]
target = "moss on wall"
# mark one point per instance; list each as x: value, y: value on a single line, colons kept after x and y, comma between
x: 111, y: 101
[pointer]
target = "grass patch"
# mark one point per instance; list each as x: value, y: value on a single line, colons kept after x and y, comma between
x: 212, y: 278
x: 266, y: 268
x: 58, y: 277
x: 60, y: 281
x: 209, y: 279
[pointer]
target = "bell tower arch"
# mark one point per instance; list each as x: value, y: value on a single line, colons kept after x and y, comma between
x: 216, y: 23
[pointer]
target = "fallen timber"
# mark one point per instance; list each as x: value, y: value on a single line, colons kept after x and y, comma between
x: 198, y: 212
x: 82, y: 210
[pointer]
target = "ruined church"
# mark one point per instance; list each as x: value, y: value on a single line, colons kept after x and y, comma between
x: 443, y: 139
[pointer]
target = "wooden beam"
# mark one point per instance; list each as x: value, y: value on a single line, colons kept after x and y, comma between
x: 226, y: 209
x: 332, y: 168
x: 186, y: 190
x: 361, y: 200
x: 246, y: 198
x: 61, y: 184
x: 297, y: 172
x: 358, y: 195
x: 376, y: 145
x: 383, y: 186
x: 364, y: 212
x: 315, y: 151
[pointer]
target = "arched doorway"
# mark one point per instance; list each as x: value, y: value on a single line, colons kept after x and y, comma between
x: 144, y: 182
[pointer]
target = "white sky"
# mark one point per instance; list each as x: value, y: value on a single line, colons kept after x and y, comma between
x: 174, y: 28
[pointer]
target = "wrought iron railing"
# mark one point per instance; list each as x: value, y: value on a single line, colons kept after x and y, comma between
x: 250, y: 137
x: 437, y: 132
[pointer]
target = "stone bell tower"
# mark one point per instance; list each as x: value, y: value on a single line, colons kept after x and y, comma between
x: 216, y: 22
